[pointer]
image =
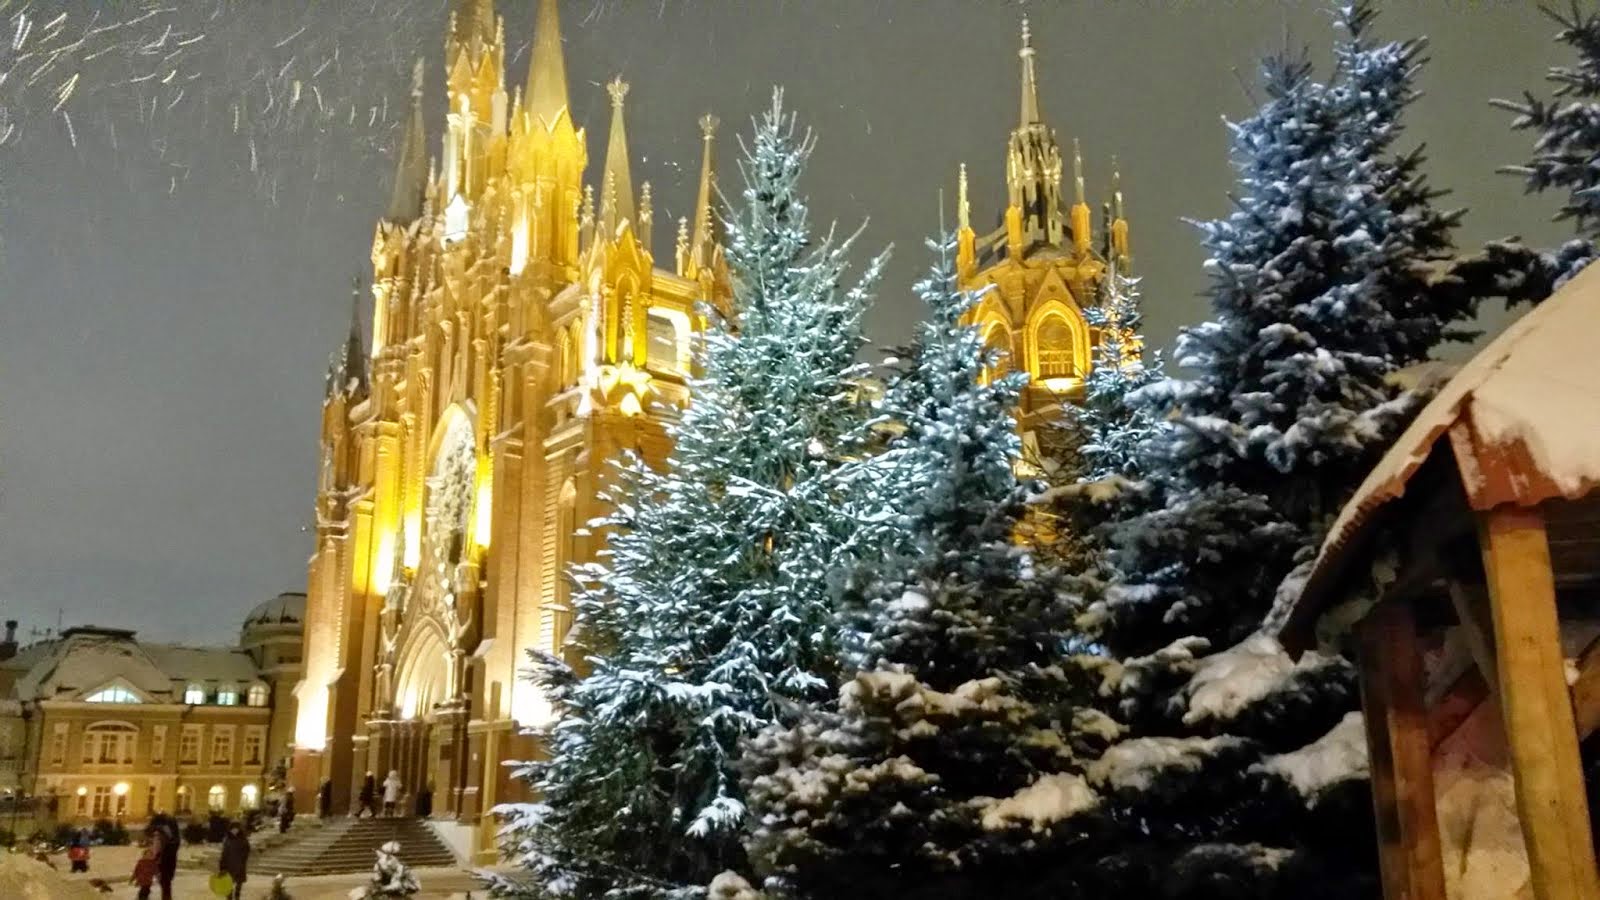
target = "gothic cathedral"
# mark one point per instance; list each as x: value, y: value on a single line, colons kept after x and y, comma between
x: 522, y: 337
x: 1041, y: 267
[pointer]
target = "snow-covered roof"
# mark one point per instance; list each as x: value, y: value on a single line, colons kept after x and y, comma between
x: 1523, y: 418
x: 284, y: 609
x: 84, y: 660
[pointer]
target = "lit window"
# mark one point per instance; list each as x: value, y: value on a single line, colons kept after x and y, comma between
x: 222, y: 747
x: 58, y: 744
x: 194, y: 694
x: 83, y: 801
x: 114, y: 694
x: 257, y: 696
x: 248, y: 796
x: 185, y: 802
x: 252, y: 747
x: 1054, y: 339
x: 668, y: 348
x: 109, y: 743
x: 102, y: 800
x: 189, y: 745
x: 455, y: 219
x: 228, y: 695
x: 217, y: 798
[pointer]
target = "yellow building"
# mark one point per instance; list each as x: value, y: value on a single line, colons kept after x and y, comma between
x: 98, y: 724
x: 522, y: 338
x: 1044, y: 263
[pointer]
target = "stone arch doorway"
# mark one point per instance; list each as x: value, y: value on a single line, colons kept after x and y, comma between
x: 419, y: 748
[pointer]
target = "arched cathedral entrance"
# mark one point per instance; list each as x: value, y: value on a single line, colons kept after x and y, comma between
x: 428, y: 628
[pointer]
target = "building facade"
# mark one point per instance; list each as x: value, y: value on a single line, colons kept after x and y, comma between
x: 1042, y: 266
x: 98, y: 724
x: 522, y: 338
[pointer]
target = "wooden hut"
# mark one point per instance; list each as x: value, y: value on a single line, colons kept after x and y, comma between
x: 1465, y: 573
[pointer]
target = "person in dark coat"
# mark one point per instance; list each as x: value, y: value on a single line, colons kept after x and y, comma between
x: 425, y: 801
x: 147, y: 870
x: 369, y: 796
x: 167, y: 866
x: 235, y: 858
x: 325, y: 798
x: 286, y: 810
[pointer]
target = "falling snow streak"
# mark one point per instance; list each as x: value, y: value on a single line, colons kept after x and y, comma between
x: 280, y: 91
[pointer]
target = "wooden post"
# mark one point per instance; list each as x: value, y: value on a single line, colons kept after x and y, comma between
x: 1400, y: 753
x: 1537, y: 708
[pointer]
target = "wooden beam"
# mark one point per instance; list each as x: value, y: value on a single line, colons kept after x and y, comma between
x: 1400, y: 752
x: 1536, y: 705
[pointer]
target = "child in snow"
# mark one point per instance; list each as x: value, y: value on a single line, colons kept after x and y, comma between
x: 78, y: 852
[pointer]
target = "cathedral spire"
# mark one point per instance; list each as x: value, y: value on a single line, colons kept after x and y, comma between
x: 706, y: 232
x: 347, y: 370
x: 471, y: 24
x: 547, y: 70
x: 616, y: 197
x: 1030, y: 80
x: 411, y: 171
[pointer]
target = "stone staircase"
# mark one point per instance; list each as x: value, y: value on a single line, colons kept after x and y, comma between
x: 350, y: 845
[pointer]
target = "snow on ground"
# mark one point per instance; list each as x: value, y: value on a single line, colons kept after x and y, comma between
x: 115, y: 864
x: 1339, y: 755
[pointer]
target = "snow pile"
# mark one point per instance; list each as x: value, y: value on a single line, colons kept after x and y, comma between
x: 1225, y: 684
x: 1135, y: 765
x: 25, y: 878
x: 729, y: 886
x: 1049, y: 800
x: 1337, y: 756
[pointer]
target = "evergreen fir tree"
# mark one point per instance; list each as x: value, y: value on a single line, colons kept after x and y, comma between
x: 1114, y: 428
x: 966, y: 732
x: 1320, y: 292
x: 1566, y: 151
x: 713, y: 605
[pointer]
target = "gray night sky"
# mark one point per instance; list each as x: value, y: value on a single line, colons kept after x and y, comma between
x: 166, y: 313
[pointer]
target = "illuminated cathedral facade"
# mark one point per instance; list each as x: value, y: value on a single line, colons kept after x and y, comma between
x: 522, y: 337
x: 1042, y: 266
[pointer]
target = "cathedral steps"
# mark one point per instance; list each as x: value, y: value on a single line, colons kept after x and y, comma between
x: 350, y: 845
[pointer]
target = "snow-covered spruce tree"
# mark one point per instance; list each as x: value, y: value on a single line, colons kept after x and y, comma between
x: 1320, y: 292
x: 961, y: 744
x: 713, y: 603
x: 1566, y: 157
x: 1115, y: 430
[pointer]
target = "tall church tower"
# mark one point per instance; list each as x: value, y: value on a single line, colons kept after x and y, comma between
x: 1042, y: 265
x: 522, y: 338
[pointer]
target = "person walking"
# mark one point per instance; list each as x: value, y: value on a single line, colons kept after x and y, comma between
x: 235, y: 860
x: 78, y: 852
x: 369, y: 796
x: 167, y: 864
x: 391, y: 793
x: 147, y: 870
x: 325, y: 798
x: 286, y: 810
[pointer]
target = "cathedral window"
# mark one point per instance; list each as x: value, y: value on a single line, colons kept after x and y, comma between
x: 455, y: 219
x: 997, y: 345
x: 668, y: 347
x: 1054, y: 342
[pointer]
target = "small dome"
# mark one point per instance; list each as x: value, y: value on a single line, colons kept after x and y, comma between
x: 284, y: 609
